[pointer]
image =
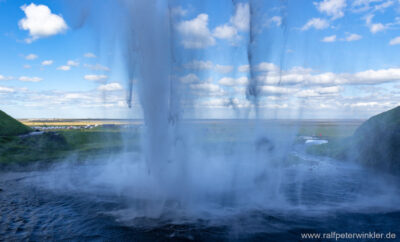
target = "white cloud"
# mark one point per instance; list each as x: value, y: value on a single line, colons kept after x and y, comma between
x: 64, y: 68
x: 267, y: 67
x: 110, y: 87
x: 178, y: 11
x: 199, y: 65
x: 89, y: 55
x: 374, y: 27
x: 286, y: 78
x: 208, y: 65
x: 374, y: 76
x: 364, y: 5
x: 277, y: 20
x: 72, y: 63
x: 368, y: 19
x: 5, y: 78
x: 353, y: 37
x: 195, y: 33
x: 238, y: 22
x: 208, y: 88
x: 223, y: 69
x: 319, y: 91
x: 362, y: 2
x: 190, y: 78
x: 316, y: 23
x: 75, y: 96
x: 276, y: 90
x: 333, y: 8
x: 31, y: 57
x: 329, y: 90
x: 95, y: 77
x: 382, y: 6
x: 349, y: 37
x: 395, y: 41
x: 27, y: 66
x: 229, y: 81
x: 279, y: 89
x: 244, y: 68
x: 40, y: 22
x: 215, y: 102
x: 30, y: 79
x: 363, y: 104
x: 6, y: 89
x: 96, y: 67
x: 47, y: 62
x: 331, y: 38
x: 241, y: 19
x: 225, y: 32
x: 308, y: 77
x: 58, y: 102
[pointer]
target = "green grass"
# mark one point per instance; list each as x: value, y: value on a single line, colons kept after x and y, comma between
x: 327, y: 131
x: 14, y: 149
x: 53, y: 146
x: 85, y: 143
x: 10, y: 126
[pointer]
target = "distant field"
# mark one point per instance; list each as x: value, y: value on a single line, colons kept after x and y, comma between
x: 62, y: 138
x: 322, y: 128
x: 75, y: 122
x: 338, y: 128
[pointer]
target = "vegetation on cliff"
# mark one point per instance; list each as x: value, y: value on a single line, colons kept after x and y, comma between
x: 10, y: 126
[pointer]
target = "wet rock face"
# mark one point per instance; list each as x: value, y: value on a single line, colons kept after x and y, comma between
x: 376, y: 142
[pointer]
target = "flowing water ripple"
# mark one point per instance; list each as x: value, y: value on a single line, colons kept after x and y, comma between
x: 317, y: 201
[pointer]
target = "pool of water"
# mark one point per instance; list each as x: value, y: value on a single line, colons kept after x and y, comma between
x: 316, y: 195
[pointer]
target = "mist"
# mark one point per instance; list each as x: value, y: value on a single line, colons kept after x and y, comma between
x: 251, y: 174
x: 179, y: 174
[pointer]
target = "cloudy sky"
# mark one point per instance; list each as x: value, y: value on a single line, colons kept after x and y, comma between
x: 311, y: 59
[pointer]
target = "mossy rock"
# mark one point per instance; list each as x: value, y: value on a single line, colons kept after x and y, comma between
x: 376, y: 143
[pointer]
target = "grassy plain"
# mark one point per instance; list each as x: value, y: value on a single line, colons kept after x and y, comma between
x: 53, y: 146
x: 76, y: 122
x: 112, y: 136
x: 328, y: 129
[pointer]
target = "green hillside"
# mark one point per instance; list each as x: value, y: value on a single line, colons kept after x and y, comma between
x: 10, y: 126
x: 376, y: 143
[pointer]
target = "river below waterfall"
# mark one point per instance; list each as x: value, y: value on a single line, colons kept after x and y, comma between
x: 322, y: 196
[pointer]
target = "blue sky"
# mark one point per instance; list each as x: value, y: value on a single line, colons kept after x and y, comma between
x: 312, y: 59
